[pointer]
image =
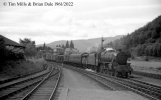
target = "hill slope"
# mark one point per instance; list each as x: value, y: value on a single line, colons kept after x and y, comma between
x: 83, y: 44
x: 145, y: 41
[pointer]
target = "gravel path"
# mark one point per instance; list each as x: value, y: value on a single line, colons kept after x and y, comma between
x: 75, y: 86
x: 73, y: 79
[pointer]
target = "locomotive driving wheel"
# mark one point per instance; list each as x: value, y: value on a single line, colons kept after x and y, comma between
x: 103, y: 68
x: 126, y: 74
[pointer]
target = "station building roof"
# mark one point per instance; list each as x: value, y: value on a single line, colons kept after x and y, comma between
x: 9, y: 42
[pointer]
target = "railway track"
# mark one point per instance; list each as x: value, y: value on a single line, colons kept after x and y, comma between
x: 21, y: 80
x: 11, y: 88
x: 145, y: 89
x: 45, y: 67
x: 148, y: 90
x: 155, y: 87
x: 46, y: 88
x: 23, y: 76
x: 151, y: 90
x: 151, y: 75
x: 16, y: 89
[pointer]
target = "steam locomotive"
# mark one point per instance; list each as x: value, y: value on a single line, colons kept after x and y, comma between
x: 107, y: 61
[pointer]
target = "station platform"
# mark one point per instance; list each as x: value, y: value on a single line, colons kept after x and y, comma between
x: 92, y: 94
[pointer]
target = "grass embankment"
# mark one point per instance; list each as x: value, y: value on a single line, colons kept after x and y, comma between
x: 20, y: 68
x: 150, y: 66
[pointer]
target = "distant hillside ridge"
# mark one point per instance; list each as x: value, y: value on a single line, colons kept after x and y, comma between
x: 83, y: 44
x: 145, y: 41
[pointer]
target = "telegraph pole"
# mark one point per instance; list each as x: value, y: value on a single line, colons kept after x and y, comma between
x: 102, y: 40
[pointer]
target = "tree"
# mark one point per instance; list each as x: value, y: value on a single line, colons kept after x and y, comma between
x: 44, y: 46
x: 144, y: 41
x: 2, y: 50
x: 2, y: 46
x: 155, y: 34
x: 71, y: 44
x: 30, y: 48
x: 26, y: 41
x: 67, y: 45
x: 63, y: 46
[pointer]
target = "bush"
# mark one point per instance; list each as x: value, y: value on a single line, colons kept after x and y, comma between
x: 146, y: 58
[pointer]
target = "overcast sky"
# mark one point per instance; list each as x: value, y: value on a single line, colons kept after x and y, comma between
x: 86, y: 19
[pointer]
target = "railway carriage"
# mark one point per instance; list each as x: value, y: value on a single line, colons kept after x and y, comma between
x: 85, y: 60
x: 66, y: 58
x: 59, y: 58
x: 78, y: 59
x: 75, y: 58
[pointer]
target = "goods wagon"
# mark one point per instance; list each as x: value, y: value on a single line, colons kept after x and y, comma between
x: 48, y: 56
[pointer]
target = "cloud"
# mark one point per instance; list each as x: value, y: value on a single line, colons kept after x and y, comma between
x: 84, y: 20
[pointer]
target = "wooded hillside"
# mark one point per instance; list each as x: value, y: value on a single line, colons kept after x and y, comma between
x: 145, y: 41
